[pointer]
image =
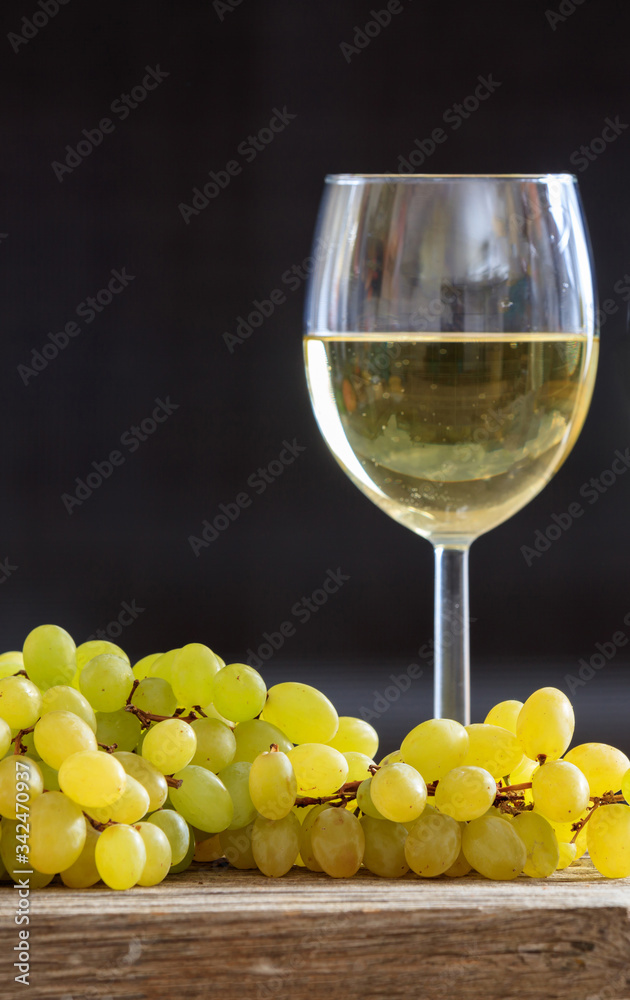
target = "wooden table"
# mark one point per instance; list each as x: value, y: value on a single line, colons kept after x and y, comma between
x: 219, y: 933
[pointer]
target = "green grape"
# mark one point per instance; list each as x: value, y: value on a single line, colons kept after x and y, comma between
x: 465, y: 793
x: 192, y: 674
x: 106, y: 681
x: 209, y: 849
x: 355, y: 734
x: 49, y: 656
x: 142, y: 668
x: 50, y: 775
x: 560, y: 791
x: 358, y: 765
x: 319, y: 769
x: 540, y: 842
x: 162, y: 666
x: 148, y: 776
x: 11, y: 662
x: 159, y: 857
x: 625, y: 785
x: 602, y: 765
x: 20, y: 702
x: 522, y: 773
x: 495, y: 749
x: 63, y: 698
x: 567, y: 854
x: 505, y: 715
x: 177, y: 831
x: 364, y: 800
x: 459, y: 867
x: 273, y: 785
x: 120, y: 856
x: 170, y: 745
x: 545, y: 724
x: 202, y: 799
x: 338, y: 842
x: 21, y: 782
x: 216, y: 744
x: 57, y: 832
x: 384, y: 852
x: 395, y: 757
x: 93, y: 779
x: 210, y: 712
x: 306, y: 848
x: 494, y: 848
x: 237, y: 847
x: 565, y: 833
x: 59, y: 734
x: 399, y: 792
x: 155, y: 696
x: 302, y: 712
x: 120, y: 729
x: 235, y: 777
x: 433, y: 844
x: 435, y: 747
x: 275, y: 844
x: 95, y: 647
x: 255, y: 737
x: 13, y: 850
x: 5, y: 737
x: 609, y: 840
x: 187, y: 860
x: 132, y: 805
x: 83, y: 873
x: 238, y: 692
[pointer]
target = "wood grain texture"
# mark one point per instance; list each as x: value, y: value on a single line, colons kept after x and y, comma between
x: 219, y: 933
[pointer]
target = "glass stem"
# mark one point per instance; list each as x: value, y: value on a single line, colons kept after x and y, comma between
x: 451, y: 635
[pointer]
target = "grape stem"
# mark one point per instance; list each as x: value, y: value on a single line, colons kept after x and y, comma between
x: 146, y: 718
x: 173, y: 782
x: 108, y: 747
x: 346, y: 793
x: 17, y: 739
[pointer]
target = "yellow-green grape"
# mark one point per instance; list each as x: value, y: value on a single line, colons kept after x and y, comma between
x: 236, y: 846
x: 210, y: 712
x: 356, y: 735
x: 358, y: 765
x: 306, y: 848
x: 302, y: 712
x: 435, y: 747
x: 494, y: 848
x: 148, y: 776
x: 92, y: 778
x: 59, y: 734
x: 338, y: 842
x: 170, y: 745
x: 63, y: 698
x: 384, y: 852
x: 20, y: 702
x: 319, y: 769
x: 543, y: 853
x: 465, y: 793
x: 142, y: 668
x: 609, y: 839
x: 399, y: 792
x: 177, y: 831
x: 209, y: 849
x: 395, y: 757
x: 276, y: 843
x: 545, y: 724
x: 50, y: 775
x: 15, y: 856
x: 21, y: 782
x: 95, y: 647
x: 495, y: 749
x: 57, y: 832
x: 120, y: 856
x: 235, y: 777
x: 459, y: 867
x: 603, y: 766
x: 522, y: 773
x: 255, y: 737
x: 120, y: 729
x: 364, y: 800
x: 106, y: 681
x: 155, y: 696
x: 505, y: 714
x: 132, y: 805
x: 192, y: 673
x: 83, y: 873
x: 560, y: 791
x: 238, y: 692
x: 49, y: 656
x: 433, y: 844
x: 567, y: 854
x: 625, y: 786
x: 187, y: 860
x: 10, y: 663
x: 202, y: 799
x: 5, y: 737
x: 159, y: 857
x: 216, y: 744
x: 272, y: 785
x: 162, y: 666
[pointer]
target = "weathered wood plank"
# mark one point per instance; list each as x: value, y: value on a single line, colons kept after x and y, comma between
x: 237, y: 935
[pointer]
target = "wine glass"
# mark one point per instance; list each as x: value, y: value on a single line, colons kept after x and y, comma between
x: 451, y: 349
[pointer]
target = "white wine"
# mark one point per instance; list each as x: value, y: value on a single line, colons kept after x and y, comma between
x: 450, y: 434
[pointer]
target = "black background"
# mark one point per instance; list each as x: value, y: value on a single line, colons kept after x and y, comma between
x: 162, y: 336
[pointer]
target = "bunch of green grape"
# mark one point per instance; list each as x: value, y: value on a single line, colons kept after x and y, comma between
x: 125, y: 774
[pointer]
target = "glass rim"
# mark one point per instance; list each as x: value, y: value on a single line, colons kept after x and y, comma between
x: 361, y: 178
